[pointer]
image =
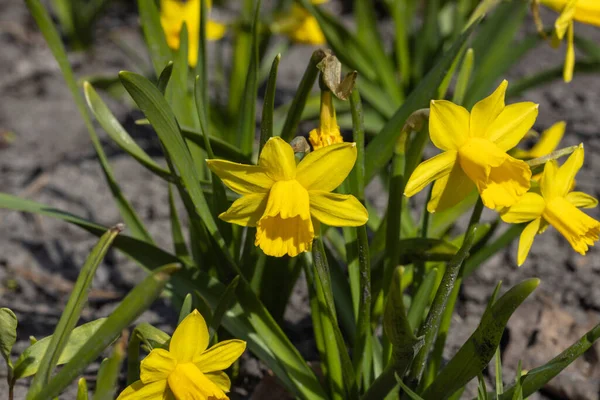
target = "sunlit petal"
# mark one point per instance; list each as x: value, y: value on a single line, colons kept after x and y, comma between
x: 190, y: 338
x: 512, y: 124
x: 548, y: 186
x: 430, y: 170
x: 450, y: 190
x: 152, y: 391
x: 529, y: 207
x: 220, y: 356
x: 326, y: 168
x: 547, y: 143
x: 526, y: 240
x: 157, y: 366
x: 569, y: 67
x: 487, y: 110
x: 578, y: 228
x: 215, y: 30
x: 246, y: 210
x: 337, y: 209
x: 241, y: 178
x: 187, y: 382
x: 448, y: 124
x: 220, y: 379
x: 277, y: 159
x: 565, y: 176
x: 581, y: 200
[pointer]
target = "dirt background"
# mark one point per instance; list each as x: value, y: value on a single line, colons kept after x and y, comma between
x: 52, y: 161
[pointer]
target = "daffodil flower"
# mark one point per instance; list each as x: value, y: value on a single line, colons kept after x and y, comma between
x: 300, y: 26
x: 474, y: 149
x: 173, y: 13
x: 188, y: 370
x: 285, y: 201
x: 548, y: 142
x: 556, y: 205
x: 328, y: 132
x: 584, y: 11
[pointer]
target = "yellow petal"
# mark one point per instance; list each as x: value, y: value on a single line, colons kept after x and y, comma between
x: 581, y: 200
x: 430, y: 170
x: 241, y: 178
x: 565, y: 176
x: 337, y: 209
x: 277, y: 159
x: 588, y: 12
x: 548, y: 186
x: 526, y: 240
x: 286, y: 226
x: 512, y: 124
x: 450, y: 190
x: 214, y: 30
x: 565, y: 18
x: 448, y: 124
x: 190, y: 338
x: 157, y: 366
x: 500, y: 179
x: 549, y: 141
x: 578, y: 228
x: 302, y: 27
x: 247, y: 210
x: 187, y: 382
x: 328, y: 132
x: 569, y: 67
x: 529, y: 207
x: 487, y: 110
x: 220, y: 356
x: 326, y: 168
x: 152, y: 391
x: 220, y: 379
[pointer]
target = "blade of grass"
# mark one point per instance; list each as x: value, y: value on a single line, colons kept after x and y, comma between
x: 160, y: 53
x: 266, y: 122
x: 179, y: 244
x: 71, y: 312
x: 108, y: 374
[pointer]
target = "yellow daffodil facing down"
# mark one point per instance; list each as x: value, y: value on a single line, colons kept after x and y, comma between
x: 285, y: 201
x: 474, y: 152
x: 300, y: 26
x: 556, y: 205
x: 584, y: 11
x: 328, y: 132
x: 188, y: 370
x: 548, y: 142
x: 173, y: 13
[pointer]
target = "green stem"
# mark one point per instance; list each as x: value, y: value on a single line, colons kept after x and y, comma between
x: 381, y: 386
x: 430, y: 329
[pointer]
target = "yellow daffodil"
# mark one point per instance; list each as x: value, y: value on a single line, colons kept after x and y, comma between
x: 285, y: 201
x: 584, y: 11
x: 328, y: 132
x: 173, y: 13
x: 188, y: 370
x: 548, y: 142
x: 474, y: 149
x: 300, y: 26
x: 556, y: 205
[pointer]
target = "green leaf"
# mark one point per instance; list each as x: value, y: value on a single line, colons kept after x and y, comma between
x: 158, y: 112
x: 186, y: 308
x: 421, y: 299
x: 108, y: 374
x: 304, y: 88
x: 425, y: 250
x: 536, y: 378
x: 409, y: 392
x: 221, y: 148
x: 29, y: 361
x: 224, y: 304
x: 163, y: 79
x: 72, y: 311
x: 8, y: 334
x: 266, y: 122
x: 380, y: 150
x: 181, y: 249
x: 120, y: 136
x: 479, y: 349
x: 135, y: 303
x: 160, y: 53
x: 464, y: 76
x: 82, y: 389
x: 131, y: 219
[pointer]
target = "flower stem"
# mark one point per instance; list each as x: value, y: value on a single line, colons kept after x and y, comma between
x: 430, y: 327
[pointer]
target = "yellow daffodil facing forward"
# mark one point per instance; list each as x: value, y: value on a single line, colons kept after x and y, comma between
x: 328, y: 132
x: 300, y: 26
x: 173, y: 13
x: 285, y: 201
x: 474, y: 152
x: 585, y: 11
x: 188, y: 370
x: 556, y: 205
x: 548, y: 142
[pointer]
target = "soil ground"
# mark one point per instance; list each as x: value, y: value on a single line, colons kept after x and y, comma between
x: 52, y: 161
